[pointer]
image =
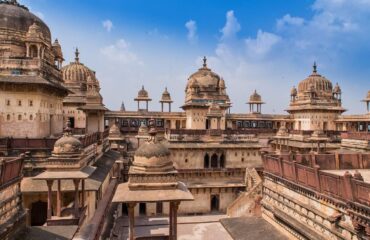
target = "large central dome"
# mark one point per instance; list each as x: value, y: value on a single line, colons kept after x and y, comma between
x: 316, y: 82
x: 205, y: 78
x: 16, y: 17
x: 205, y: 87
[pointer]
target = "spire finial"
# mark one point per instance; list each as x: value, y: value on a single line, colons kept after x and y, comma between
x: 204, y: 61
x: 77, y: 54
x: 314, y: 67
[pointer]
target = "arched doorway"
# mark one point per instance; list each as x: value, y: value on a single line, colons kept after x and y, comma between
x: 215, y: 203
x: 207, y: 124
x: 38, y: 213
x: 222, y: 161
x: 206, y: 161
x: 214, y: 161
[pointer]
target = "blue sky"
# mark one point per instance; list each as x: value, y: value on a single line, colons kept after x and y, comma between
x: 268, y: 45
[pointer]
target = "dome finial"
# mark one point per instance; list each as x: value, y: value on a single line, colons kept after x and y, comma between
x: 77, y: 54
x: 204, y: 62
x: 314, y: 67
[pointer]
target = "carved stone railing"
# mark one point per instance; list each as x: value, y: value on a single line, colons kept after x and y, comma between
x: 356, y: 135
x: 344, y: 188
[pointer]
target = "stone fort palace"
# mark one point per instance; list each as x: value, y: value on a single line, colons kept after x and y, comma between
x: 70, y: 168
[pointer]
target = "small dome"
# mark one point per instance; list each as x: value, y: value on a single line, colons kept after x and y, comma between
x: 77, y: 72
x: 67, y: 144
x: 166, y: 96
x: 142, y: 93
x: 152, y: 156
x: 255, y: 97
x: 293, y: 91
x: 337, y: 89
x: 57, y: 49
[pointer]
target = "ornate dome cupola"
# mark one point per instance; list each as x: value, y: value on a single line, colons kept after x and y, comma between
x: 367, y: 101
x: 166, y: 98
x: 143, y: 96
x: 293, y: 93
x: 315, y: 83
x: 337, y: 92
x: 205, y: 86
x: 255, y: 103
x: 58, y: 54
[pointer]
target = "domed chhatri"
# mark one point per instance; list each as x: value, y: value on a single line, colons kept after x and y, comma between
x: 143, y: 96
x: 255, y: 103
x: 152, y: 156
x: 205, y: 86
x: 166, y: 99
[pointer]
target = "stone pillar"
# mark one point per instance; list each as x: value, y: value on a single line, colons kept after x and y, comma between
x: 77, y: 211
x: 175, y: 208
x: 138, y: 105
x: 169, y: 107
x: 147, y: 106
x: 162, y: 106
x: 170, y: 232
x: 59, y: 199
x: 50, y: 198
x: 83, y: 193
x: 131, y: 212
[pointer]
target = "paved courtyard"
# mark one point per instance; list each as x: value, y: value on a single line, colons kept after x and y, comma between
x: 189, y: 228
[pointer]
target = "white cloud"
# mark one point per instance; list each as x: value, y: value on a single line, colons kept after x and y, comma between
x: 262, y: 44
x: 191, y: 26
x: 231, y: 27
x: 288, y: 20
x: 120, y: 52
x: 108, y: 25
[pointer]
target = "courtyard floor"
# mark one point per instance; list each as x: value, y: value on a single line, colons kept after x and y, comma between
x: 189, y: 228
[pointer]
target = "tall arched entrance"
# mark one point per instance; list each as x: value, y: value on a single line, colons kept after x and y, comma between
x: 214, y: 161
x: 206, y: 161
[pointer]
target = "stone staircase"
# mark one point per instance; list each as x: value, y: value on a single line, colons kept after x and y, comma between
x: 248, y: 203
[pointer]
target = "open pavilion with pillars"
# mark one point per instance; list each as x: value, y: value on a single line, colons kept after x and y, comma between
x: 78, y: 178
x: 152, y: 179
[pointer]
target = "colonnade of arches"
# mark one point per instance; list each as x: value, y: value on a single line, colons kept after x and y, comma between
x: 216, y: 160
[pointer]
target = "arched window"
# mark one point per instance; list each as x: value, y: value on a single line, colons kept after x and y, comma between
x: 206, y: 161
x: 31, y: 117
x: 33, y: 51
x: 19, y: 117
x: 222, y: 161
x: 8, y: 117
x: 214, y: 161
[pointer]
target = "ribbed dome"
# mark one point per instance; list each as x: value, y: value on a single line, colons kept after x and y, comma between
x: 315, y: 82
x: 16, y: 17
x: 76, y: 72
x: 205, y: 78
